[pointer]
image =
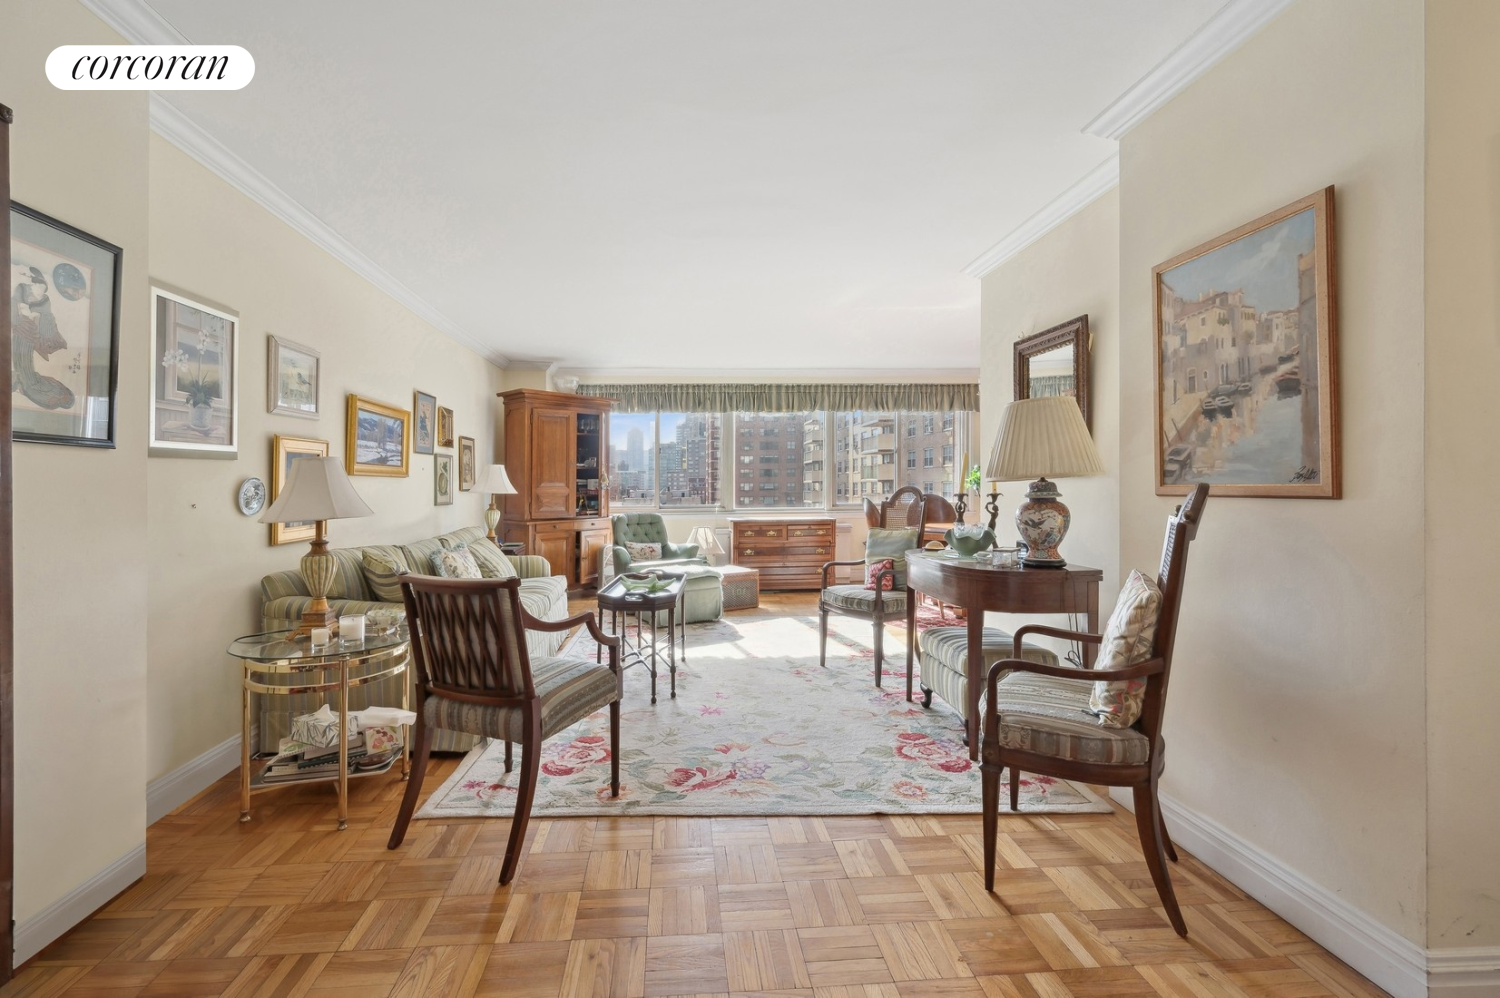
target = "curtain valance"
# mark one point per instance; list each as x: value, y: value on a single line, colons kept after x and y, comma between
x: 788, y: 398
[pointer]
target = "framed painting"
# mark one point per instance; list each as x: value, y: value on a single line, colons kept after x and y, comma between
x: 442, y: 480
x: 444, y: 427
x: 424, y: 422
x: 194, y: 406
x: 1247, y: 359
x: 377, y: 439
x: 285, y: 450
x: 465, y: 464
x: 1055, y: 362
x: 293, y: 375
x: 65, y: 332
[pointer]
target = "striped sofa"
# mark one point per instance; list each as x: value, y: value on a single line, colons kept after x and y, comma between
x: 284, y: 596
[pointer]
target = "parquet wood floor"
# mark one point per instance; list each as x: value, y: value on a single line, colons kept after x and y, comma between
x: 847, y: 907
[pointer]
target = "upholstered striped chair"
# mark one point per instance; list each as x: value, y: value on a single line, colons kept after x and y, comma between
x: 474, y: 674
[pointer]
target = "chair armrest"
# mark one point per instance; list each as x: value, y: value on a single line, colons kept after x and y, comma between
x: 1054, y: 632
x: 530, y: 566
x: 838, y: 564
x: 1150, y: 667
x: 670, y: 550
x: 620, y: 558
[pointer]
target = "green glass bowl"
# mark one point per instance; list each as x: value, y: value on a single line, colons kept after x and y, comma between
x: 968, y: 546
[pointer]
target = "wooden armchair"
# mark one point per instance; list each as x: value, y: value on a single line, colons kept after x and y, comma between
x: 904, y: 509
x: 475, y: 675
x: 1038, y: 719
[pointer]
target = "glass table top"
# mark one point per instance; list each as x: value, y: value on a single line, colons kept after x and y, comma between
x: 278, y: 646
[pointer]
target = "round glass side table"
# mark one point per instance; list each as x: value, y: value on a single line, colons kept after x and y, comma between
x: 275, y: 665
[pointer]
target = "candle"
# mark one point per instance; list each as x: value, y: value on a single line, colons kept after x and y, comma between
x: 963, y: 471
x: 320, y: 635
x: 352, y: 627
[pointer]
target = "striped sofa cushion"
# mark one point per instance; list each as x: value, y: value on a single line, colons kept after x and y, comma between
x: 569, y: 688
x: 383, y: 575
x: 1051, y: 717
x: 862, y: 600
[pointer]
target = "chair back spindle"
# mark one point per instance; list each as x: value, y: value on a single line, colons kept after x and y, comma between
x: 467, y: 638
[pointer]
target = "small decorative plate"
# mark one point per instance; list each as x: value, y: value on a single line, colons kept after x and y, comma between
x: 252, y: 496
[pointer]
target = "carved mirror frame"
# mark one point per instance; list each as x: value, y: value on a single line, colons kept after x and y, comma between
x: 1074, y: 332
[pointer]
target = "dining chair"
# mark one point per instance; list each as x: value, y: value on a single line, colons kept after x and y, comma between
x: 1100, y: 725
x: 475, y: 675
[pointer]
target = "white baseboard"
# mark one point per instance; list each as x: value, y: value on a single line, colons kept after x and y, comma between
x: 79, y: 903
x: 1458, y: 972
x: 167, y: 793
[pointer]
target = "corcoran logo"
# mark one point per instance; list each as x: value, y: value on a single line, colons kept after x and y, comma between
x: 150, y: 67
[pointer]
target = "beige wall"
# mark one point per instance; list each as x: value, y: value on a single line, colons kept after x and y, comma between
x: 1463, y: 538
x: 206, y: 559
x: 1072, y: 270
x: 1296, y: 718
x: 80, y: 513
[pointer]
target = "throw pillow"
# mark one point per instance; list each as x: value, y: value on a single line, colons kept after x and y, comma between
x: 643, y: 552
x: 491, y: 560
x: 872, y: 574
x: 887, y: 543
x: 1128, y: 639
x: 455, y: 565
x: 384, y: 577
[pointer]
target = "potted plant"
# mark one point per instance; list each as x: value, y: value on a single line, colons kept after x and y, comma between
x: 199, y: 386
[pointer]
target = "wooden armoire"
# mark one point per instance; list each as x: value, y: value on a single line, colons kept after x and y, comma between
x: 557, y: 457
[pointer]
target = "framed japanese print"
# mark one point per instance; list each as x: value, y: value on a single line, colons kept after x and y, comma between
x: 65, y: 334
x: 194, y: 369
x: 1247, y: 359
x: 377, y: 439
x: 424, y: 422
x: 293, y: 375
x: 285, y: 450
x: 465, y: 463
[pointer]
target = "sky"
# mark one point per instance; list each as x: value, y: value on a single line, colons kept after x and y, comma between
x: 1263, y: 263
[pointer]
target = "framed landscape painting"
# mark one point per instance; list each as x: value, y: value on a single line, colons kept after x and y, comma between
x: 195, y: 370
x: 293, y: 373
x: 285, y: 450
x: 377, y: 439
x: 65, y: 332
x: 465, y: 463
x: 424, y: 422
x: 1247, y: 360
x: 442, y: 480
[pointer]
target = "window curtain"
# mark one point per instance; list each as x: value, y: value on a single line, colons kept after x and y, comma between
x: 787, y: 398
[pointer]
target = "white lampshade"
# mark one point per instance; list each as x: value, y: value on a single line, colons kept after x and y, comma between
x: 317, y: 489
x: 1043, y: 438
x: 497, y: 482
x: 706, y: 539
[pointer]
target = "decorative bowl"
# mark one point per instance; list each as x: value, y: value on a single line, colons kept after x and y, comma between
x: 384, y: 621
x: 969, y: 541
x: 643, y: 582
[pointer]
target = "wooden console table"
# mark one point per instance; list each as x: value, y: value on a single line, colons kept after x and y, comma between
x: 977, y: 586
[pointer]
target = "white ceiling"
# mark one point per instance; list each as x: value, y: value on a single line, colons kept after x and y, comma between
x: 688, y: 184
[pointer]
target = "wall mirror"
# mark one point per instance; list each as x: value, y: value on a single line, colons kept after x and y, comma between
x: 1055, y: 362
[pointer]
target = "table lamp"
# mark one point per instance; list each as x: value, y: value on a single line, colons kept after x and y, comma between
x: 317, y: 489
x: 1043, y: 438
x: 497, y: 483
x: 707, y: 541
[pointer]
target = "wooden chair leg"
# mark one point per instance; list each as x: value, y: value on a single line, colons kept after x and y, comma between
x: 879, y: 648
x: 822, y: 635
x: 1015, y: 789
x: 1166, y: 840
x: 614, y: 748
x: 1148, y: 825
x: 423, y: 735
x: 507, y: 757
x: 531, y: 761
x: 989, y: 785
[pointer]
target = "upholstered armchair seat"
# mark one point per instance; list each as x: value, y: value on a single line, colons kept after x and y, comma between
x: 862, y: 600
x: 569, y: 688
x: 943, y: 656
x: 1050, y: 716
x: 647, y: 528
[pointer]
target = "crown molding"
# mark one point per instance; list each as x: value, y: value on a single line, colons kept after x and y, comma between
x: 1094, y: 184
x: 789, y: 376
x: 137, y: 21
x: 1220, y: 35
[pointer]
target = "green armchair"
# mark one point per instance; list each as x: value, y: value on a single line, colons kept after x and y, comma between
x: 646, y: 528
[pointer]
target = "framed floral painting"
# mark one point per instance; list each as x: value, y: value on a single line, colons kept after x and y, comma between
x: 424, y: 422
x: 293, y: 374
x: 65, y: 332
x: 194, y: 408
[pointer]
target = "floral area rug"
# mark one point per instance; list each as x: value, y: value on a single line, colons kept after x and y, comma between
x: 757, y: 728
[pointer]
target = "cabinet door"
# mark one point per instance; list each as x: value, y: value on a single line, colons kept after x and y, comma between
x: 591, y: 545
x: 557, y: 547
x: 553, y: 440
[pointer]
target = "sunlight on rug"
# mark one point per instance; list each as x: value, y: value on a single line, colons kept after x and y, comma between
x: 758, y: 728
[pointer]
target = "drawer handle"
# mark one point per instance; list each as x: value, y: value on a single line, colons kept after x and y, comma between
x: 822, y: 551
x: 749, y: 551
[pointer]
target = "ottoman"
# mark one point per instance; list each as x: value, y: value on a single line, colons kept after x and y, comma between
x: 741, y: 587
x: 702, y: 594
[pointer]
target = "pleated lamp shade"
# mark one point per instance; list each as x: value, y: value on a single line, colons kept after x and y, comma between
x: 1043, y: 438
x: 316, y: 489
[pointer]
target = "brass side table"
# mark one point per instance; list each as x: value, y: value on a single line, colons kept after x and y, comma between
x: 274, y: 665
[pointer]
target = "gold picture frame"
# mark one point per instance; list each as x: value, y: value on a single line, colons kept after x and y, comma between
x: 285, y: 450
x: 465, y: 464
x: 445, y: 427
x: 371, y: 432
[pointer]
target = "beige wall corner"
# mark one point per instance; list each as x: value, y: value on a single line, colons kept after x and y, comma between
x: 80, y: 513
x: 1296, y: 717
x: 1463, y: 480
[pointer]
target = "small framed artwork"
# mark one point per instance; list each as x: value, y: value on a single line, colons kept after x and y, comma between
x: 442, y: 480
x: 194, y: 406
x: 285, y: 450
x: 1247, y: 359
x: 444, y: 427
x: 292, y: 378
x: 65, y: 332
x: 465, y: 463
x: 377, y: 439
x: 424, y: 422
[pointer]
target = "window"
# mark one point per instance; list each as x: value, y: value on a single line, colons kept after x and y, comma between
x: 927, y: 423
x: 911, y: 459
x: 664, y: 459
x: 947, y: 453
x: 926, y: 457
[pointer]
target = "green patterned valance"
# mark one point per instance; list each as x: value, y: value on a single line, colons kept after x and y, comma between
x: 788, y: 398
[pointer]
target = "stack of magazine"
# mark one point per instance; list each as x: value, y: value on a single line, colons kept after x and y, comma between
x: 312, y: 751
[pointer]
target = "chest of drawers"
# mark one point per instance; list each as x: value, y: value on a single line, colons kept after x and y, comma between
x: 789, y: 553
